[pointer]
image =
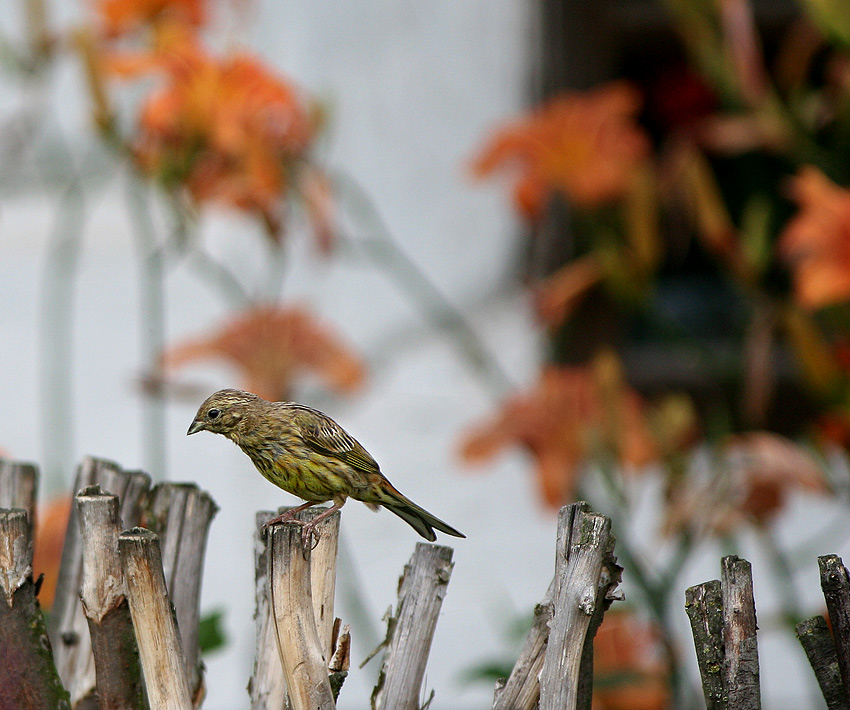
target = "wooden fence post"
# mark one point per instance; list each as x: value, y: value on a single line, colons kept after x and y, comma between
x: 68, y: 627
x: 304, y: 666
x: 180, y: 514
x: 160, y: 649
x: 420, y: 595
x: 28, y: 678
x: 583, y: 587
x: 727, y: 654
x: 116, y: 655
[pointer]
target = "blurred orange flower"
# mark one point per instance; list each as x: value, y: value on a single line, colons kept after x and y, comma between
x: 569, y: 414
x: 271, y: 346
x: 761, y: 469
x: 584, y: 145
x: 817, y: 241
x: 122, y: 16
x: 628, y: 668
x: 227, y: 129
x: 51, y: 524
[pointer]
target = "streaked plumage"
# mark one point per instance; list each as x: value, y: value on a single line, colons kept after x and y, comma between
x: 308, y: 454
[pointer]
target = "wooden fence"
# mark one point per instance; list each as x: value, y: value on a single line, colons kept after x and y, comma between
x: 723, y: 621
x: 123, y: 631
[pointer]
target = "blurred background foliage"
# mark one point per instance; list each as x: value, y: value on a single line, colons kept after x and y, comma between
x: 680, y: 187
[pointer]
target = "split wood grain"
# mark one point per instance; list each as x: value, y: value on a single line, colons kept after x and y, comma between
x: 160, y: 649
x: 116, y: 657
x: 180, y: 514
x: 290, y: 587
x: 422, y: 588
x: 739, y: 634
x: 68, y: 626
x: 584, y: 544
x: 19, y: 488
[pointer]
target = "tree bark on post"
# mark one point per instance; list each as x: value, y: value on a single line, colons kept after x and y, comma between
x: 817, y: 642
x: 160, y: 650
x: 421, y: 591
x: 835, y: 584
x: 739, y: 634
x: 116, y: 655
x: 28, y: 679
x: 704, y: 605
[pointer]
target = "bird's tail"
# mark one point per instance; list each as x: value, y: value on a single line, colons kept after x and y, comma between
x: 417, y: 517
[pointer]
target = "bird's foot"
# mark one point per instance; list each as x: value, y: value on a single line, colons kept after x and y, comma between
x: 309, y: 535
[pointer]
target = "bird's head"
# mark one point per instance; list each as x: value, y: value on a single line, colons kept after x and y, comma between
x: 222, y: 411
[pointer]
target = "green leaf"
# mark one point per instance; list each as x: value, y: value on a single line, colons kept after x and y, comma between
x: 211, y: 636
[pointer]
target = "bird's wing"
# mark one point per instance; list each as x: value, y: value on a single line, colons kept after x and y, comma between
x: 327, y: 437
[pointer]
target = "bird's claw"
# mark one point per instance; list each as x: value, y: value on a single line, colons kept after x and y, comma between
x: 309, y: 535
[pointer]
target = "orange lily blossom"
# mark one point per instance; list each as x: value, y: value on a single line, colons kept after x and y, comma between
x: 227, y: 129
x: 628, y: 668
x: 760, y: 469
x: 51, y: 524
x: 562, y: 420
x: 271, y: 346
x: 122, y: 16
x: 583, y: 145
x: 816, y: 242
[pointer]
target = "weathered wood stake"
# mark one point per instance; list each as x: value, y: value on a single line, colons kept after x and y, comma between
x: 68, y: 626
x: 420, y: 596
x: 739, y: 634
x: 584, y: 544
x: 836, y: 591
x: 116, y: 656
x: 304, y: 667
x: 816, y: 639
x: 28, y: 677
x: 160, y: 650
x: 704, y: 605
x: 19, y: 488
x: 180, y: 514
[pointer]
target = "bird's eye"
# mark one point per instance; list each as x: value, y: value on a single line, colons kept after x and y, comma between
x: 213, y: 413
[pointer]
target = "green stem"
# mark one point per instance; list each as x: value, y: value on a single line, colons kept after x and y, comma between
x: 220, y: 277
x: 152, y: 321
x: 383, y: 250
x: 56, y: 336
x: 782, y: 571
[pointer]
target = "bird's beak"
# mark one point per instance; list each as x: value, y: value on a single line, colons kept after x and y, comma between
x: 196, y: 427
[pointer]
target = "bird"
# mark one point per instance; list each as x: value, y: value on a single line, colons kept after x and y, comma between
x: 306, y: 453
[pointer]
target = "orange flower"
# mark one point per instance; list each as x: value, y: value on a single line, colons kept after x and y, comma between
x: 271, y: 346
x: 584, y: 145
x: 569, y: 415
x: 817, y: 241
x: 760, y: 470
x: 123, y: 16
x: 51, y: 523
x: 227, y: 129
x: 628, y: 668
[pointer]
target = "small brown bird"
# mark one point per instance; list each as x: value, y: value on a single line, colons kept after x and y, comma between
x: 308, y: 454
